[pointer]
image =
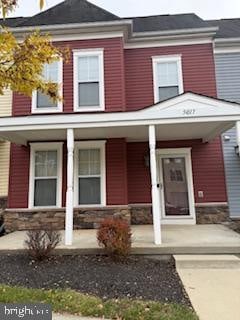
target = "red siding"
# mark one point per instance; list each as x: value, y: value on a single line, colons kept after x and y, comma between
x: 197, y: 65
x: 129, y: 77
x: 116, y: 172
x: 208, y: 172
x: 116, y: 169
x: 128, y: 179
x: 139, y: 184
x: 114, y: 76
x: 19, y: 177
x: 207, y: 163
x: 129, y: 85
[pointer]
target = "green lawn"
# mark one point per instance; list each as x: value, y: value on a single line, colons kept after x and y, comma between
x: 69, y: 301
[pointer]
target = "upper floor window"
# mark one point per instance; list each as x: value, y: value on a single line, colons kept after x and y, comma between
x: 167, y: 77
x: 42, y: 102
x: 88, y: 80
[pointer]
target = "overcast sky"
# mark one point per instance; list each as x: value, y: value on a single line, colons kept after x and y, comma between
x: 207, y: 9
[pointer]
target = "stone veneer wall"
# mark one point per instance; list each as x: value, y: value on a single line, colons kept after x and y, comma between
x: 89, y: 218
x: 204, y: 214
x: 141, y: 215
x: 83, y: 218
x: 212, y: 214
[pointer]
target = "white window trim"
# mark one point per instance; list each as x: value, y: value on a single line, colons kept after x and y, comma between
x: 90, y: 145
x: 178, y: 152
x: 42, y: 146
x: 59, y: 107
x: 84, y: 53
x: 162, y: 59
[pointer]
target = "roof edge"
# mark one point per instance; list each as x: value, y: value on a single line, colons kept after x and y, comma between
x: 53, y: 27
x: 176, y: 32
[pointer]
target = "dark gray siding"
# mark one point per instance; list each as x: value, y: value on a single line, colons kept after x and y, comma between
x: 228, y: 87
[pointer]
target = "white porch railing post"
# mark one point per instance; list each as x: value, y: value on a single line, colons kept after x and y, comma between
x: 155, y: 192
x: 69, y: 195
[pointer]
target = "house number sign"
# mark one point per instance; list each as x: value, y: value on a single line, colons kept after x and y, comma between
x: 189, y: 112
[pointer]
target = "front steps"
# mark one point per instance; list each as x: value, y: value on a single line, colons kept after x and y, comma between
x: 207, y: 262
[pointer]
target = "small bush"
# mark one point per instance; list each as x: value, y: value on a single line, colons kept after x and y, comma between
x: 114, y: 234
x: 41, y: 243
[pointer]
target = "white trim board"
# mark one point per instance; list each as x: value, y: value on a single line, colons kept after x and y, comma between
x: 226, y: 50
x: 157, y: 43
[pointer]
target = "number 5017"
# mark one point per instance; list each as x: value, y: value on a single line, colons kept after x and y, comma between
x: 189, y: 112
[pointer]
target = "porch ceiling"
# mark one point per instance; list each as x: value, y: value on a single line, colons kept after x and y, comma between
x: 204, y: 130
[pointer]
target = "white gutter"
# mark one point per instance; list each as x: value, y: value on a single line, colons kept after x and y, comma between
x: 176, y: 32
x: 226, y: 45
x: 71, y: 26
x: 226, y: 40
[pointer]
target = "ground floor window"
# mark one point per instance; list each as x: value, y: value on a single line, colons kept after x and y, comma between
x: 90, y: 173
x: 45, y: 175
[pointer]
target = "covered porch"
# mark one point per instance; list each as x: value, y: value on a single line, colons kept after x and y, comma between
x: 188, y: 117
x: 176, y: 239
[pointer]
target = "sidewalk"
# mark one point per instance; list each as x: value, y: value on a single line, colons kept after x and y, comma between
x: 214, y: 293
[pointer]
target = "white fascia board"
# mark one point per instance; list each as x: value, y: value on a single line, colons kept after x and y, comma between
x: 227, y: 40
x: 84, y: 31
x: 223, y: 50
x: 159, y: 42
x: 227, y: 45
x: 186, y: 108
x: 156, y: 39
x: 75, y: 123
x: 208, y: 30
x: 71, y: 26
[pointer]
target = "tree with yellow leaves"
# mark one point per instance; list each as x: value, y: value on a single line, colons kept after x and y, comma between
x: 21, y: 63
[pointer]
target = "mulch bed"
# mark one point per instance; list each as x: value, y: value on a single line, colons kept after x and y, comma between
x: 139, y: 277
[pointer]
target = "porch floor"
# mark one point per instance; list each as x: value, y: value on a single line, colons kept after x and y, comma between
x: 177, y: 239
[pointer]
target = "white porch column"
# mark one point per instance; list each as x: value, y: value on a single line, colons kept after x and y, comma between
x: 238, y: 134
x: 155, y: 192
x: 69, y: 195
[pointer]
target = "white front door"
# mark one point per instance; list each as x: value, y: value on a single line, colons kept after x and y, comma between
x: 176, y: 185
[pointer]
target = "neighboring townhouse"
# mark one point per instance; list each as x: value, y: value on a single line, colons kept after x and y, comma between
x: 5, y: 111
x: 138, y: 133
x: 227, y: 62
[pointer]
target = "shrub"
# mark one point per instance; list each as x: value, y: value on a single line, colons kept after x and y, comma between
x: 41, y: 243
x: 114, y: 234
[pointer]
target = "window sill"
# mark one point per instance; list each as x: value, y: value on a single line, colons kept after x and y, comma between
x: 45, y: 208
x: 88, y: 206
x: 47, y: 110
x: 89, y: 109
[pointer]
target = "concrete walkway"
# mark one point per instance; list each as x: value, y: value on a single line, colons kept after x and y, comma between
x: 176, y: 239
x: 214, y: 292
